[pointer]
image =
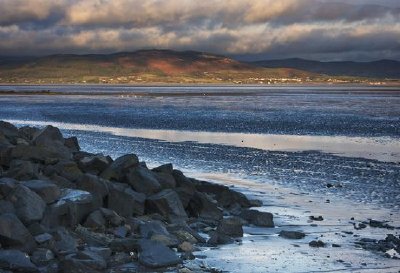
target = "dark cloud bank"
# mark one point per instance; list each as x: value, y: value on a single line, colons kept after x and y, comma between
x: 316, y: 29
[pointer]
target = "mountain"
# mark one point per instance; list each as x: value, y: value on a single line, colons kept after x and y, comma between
x: 144, y: 66
x: 378, y: 69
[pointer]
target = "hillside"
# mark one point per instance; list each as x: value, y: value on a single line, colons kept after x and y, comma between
x: 145, y: 66
x: 377, y: 69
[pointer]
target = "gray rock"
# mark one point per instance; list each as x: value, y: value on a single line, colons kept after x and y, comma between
x: 125, y: 201
x: 166, y: 168
x: 231, y: 226
x: 95, y: 221
x: 168, y: 204
x: 45, y: 189
x: 42, y: 256
x: 112, y: 218
x: 27, y: 132
x: 153, y: 254
x: 16, y: 261
x: 83, y: 262
x: 7, y: 185
x: 104, y: 252
x: 150, y: 228
x: 64, y: 243
x: 166, y: 180
x: 23, y: 170
x: 46, y: 135
x: 43, y: 238
x: 143, y: 180
x: 292, y: 234
x: 6, y: 207
x: 94, y: 164
x: 28, y: 205
x: 96, y: 186
x: 121, y: 232
x: 14, y: 234
x: 68, y: 169
x: 185, y: 187
x: 316, y: 244
x: 118, y: 169
x: 41, y: 153
x: 72, y: 144
x: 205, y: 207
x: 258, y: 218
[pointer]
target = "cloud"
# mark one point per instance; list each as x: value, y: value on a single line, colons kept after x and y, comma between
x: 264, y: 27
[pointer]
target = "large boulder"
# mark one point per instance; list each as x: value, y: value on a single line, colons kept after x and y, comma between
x: 8, y: 130
x: 184, y: 187
x: 83, y: 262
x: 72, y: 144
x: 23, y: 170
x: 14, y: 234
x: 168, y: 204
x: 41, y: 153
x: 154, y: 255
x: 16, y: 261
x: 143, y: 180
x: 231, y: 226
x: 42, y: 256
x: 48, y: 134
x: 94, y: 164
x: 7, y: 185
x: 258, y: 218
x: 49, y: 191
x: 97, y: 186
x: 125, y: 201
x: 117, y: 170
x: 204, y: 207
x: 29, y: 206
x: 68, y: 169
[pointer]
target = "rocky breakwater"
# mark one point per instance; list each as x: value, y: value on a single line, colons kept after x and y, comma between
x: 66, y: 210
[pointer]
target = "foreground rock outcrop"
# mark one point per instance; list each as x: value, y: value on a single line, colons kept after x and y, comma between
x: 66, y: 210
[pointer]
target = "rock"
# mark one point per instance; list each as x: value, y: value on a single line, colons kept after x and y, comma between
x: 185, y: 247
x: 292, y: 234
x: 204, y: 207
x: 43, y: 238
x: 16, y: 261
x: 68, y: 169
x: 231, y: 226
x: 121, y: 232
x: 27, y: 132
x: 94, y: 164
x: 112, y: 218
x: 72, y: 144
x: 93, y: 238
x: 96, y: 186
x: 47, y: 135
x: 143, y: 180
x: 14, y: 234
x: 155, y: 255
x: 185, y: 187
x: 104, y: 252
x: 23, y: 170
x: 125, y: 201
x: 40, y: 153
x: 168, y: 204
x: 96, y: 221
x: 6, y: 207
x: 83, y: 262
x: 150, y: 228
x: 42, y: 256
x: 226, y: 198
x: 118, y: 169
x: 314, y: 218
x: 5, y: 154
x: 217, y: 238
x: 166, y: 168
x: 316, y: 244
x: 28, y: 205
x: 64, y: 243
x: 7, y: 185
x: 166, y: 180
x: 258, y: 218
x: 48, y: 191
x: 8, y: 129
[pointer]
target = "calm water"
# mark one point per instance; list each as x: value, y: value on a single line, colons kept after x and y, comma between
x: 303, y: 137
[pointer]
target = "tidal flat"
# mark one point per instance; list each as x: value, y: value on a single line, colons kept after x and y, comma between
x: 304, y: 152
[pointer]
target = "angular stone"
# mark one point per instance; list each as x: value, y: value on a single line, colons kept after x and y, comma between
x: 166, y: 180
x: 153, y: 254
x: 23, y: 170
x: 68, y: 169
x: 204, y: 207
x: 95, y: 221
x: 143, y: 180
x: 94, y: 164
x: 125, y: 201
x: 6, y: 207
x: 7, y: 185
x: 118, y: 169
x: 231, y: 226
x: 45, y: 189
x: 8, y: 129
x: 40, y: 153
x: 72, y: 144
x: 150, y: 228
x: 292, y: 234
x: 168, y: 204
x: 16, y: 261
x: 14, y: 234
x: 166, y: 168
x: 258, y: 218
x: 42, y: 238
x: 83, y: 262
x: 42, y: 256
x: 46, y: 135
x: 63, y: 243
x: 28, y: 205
x: 27, y: 132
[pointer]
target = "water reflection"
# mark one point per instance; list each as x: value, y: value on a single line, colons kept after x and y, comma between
x: 380, y: 148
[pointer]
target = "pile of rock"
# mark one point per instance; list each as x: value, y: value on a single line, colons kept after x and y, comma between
x: 65, y: 210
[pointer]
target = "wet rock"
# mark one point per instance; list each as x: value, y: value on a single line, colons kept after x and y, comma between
x: 14, y: 234
x: 258, y: 218
x: 94, y: 164
x: 121, y: 232
x: 166, y: 168
x: 43, y: 238
x: 379, y: 224
x: 143, y: 180
x: 63, y: 243
x: 104, y: 252
x: 155, y: 255
x: 118, y: 168
x: 68, y: 169
x: 125, y: 201
x: 315, y: 243
x: 48, y: 191
x: 28, y: 205
x: 42, y: 256
x: 292, y: 234
x: 231, y: 226
x: 186, y: 247
x: 185, y: 187
x: 16, y: 261
x: 315, y: 218
x: 112, y: 218
x: 205, y: 207
x: 48, y: 134
x: 217, y: 238
x: 150, y: 228
x: 72, y: 144
x: 168, y: 204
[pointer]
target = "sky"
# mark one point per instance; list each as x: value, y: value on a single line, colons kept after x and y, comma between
x: 247, y: 29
